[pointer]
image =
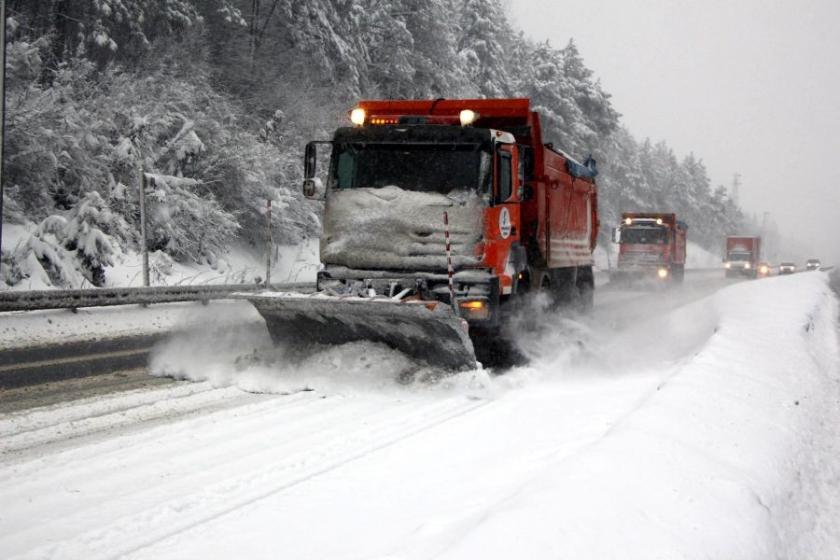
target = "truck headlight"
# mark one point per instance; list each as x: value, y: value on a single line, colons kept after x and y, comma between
x: 357, y: 116
x: 467, y: 117
x: 662, y: 273
x: 747, y: 266
x: 728, y: 265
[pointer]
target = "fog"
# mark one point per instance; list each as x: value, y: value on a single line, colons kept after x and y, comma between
x: 752, y: 87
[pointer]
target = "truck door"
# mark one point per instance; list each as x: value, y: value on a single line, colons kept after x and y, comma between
x: 503, y: 221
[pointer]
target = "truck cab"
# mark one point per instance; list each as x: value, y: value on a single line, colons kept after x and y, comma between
x: 652, y: 245
x: 743, y: 256
x: 518, y: 214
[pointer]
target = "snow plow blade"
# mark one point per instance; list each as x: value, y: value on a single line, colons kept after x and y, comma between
x: 427, y: 330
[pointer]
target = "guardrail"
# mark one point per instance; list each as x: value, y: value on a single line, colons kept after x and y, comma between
x: 100, y: 297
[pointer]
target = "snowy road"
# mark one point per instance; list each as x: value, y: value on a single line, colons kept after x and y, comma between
x: 699, y: 423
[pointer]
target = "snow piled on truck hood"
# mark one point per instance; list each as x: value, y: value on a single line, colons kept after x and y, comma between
x: 395, y: 229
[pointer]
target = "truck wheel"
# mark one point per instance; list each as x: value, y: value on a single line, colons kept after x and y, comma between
x: 678, y: 273
x: 563, y: 286
x: 495, y: 348
x: 585, y: 284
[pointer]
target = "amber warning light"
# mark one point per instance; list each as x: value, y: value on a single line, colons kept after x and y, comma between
x: 476, y: 309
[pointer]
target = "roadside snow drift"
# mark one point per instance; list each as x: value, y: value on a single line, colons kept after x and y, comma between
x: 734, y: 455
x: 705, y: 431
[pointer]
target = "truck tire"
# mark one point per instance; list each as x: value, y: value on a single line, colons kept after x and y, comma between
x: 585, y: 283
x: 678, y: 273
x: 495, y: 348
x: 563, y: 286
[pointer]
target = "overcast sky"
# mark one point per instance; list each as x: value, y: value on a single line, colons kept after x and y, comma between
x: 750, y: 86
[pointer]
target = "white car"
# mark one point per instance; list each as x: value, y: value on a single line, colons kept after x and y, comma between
x: 813, y: 264
x: 787, y: 268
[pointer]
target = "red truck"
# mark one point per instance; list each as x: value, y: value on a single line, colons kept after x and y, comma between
x: 412, y: 179
x: 651, y: 245
x: 743, y: 255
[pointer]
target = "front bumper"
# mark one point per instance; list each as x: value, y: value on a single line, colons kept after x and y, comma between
x: 471, y: 286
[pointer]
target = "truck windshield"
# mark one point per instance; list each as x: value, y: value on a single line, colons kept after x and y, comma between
x: 739, y: 256
x: 428, y: 168
x: 644, y: 235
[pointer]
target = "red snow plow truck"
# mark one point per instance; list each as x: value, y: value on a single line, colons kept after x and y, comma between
x: 651, y: 246
x: 439, y: 217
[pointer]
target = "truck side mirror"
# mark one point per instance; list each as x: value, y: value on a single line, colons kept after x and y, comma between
x: 310, y: 158
x: 616, y: 235
x: 313, y: 186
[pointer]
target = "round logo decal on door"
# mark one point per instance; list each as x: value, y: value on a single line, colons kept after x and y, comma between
x: 504, y: 222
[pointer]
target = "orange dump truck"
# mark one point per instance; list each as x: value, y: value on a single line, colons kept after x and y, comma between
x: 651, y: 245
x: 440, y: 216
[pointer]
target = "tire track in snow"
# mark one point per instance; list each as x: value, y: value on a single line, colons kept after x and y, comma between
x: 286, y: 466
x: 149, y: 427
x: 43, y: 417
x: 159, y: 406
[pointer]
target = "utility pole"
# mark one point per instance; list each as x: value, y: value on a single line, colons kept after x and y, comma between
x: 736, y: 188
x: 2, y: 111
x: 270, y: 244
x: 144, y: 245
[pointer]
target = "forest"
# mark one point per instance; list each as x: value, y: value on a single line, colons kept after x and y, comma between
x: 215, y: 99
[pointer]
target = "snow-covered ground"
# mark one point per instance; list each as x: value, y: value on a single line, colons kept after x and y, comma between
x: 706, y: 429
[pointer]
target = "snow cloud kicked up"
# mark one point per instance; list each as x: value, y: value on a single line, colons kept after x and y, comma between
x: 244, y: 355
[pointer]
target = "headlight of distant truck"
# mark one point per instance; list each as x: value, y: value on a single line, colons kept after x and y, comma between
x: 747, y: 266
x: 662, y: 273
x: 728, y: 265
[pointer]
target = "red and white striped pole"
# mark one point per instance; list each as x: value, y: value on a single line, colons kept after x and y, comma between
x: 450, y: 270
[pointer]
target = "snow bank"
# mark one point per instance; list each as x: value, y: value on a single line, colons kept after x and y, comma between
x: 698, y: 257
x: 731, y: 457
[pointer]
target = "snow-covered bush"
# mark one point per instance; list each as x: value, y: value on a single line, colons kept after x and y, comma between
x: 185, y: 225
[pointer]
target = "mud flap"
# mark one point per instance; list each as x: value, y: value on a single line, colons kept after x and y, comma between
x: 430, y: 331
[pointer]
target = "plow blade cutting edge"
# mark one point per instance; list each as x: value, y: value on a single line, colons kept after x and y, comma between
x: 430, y: 331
